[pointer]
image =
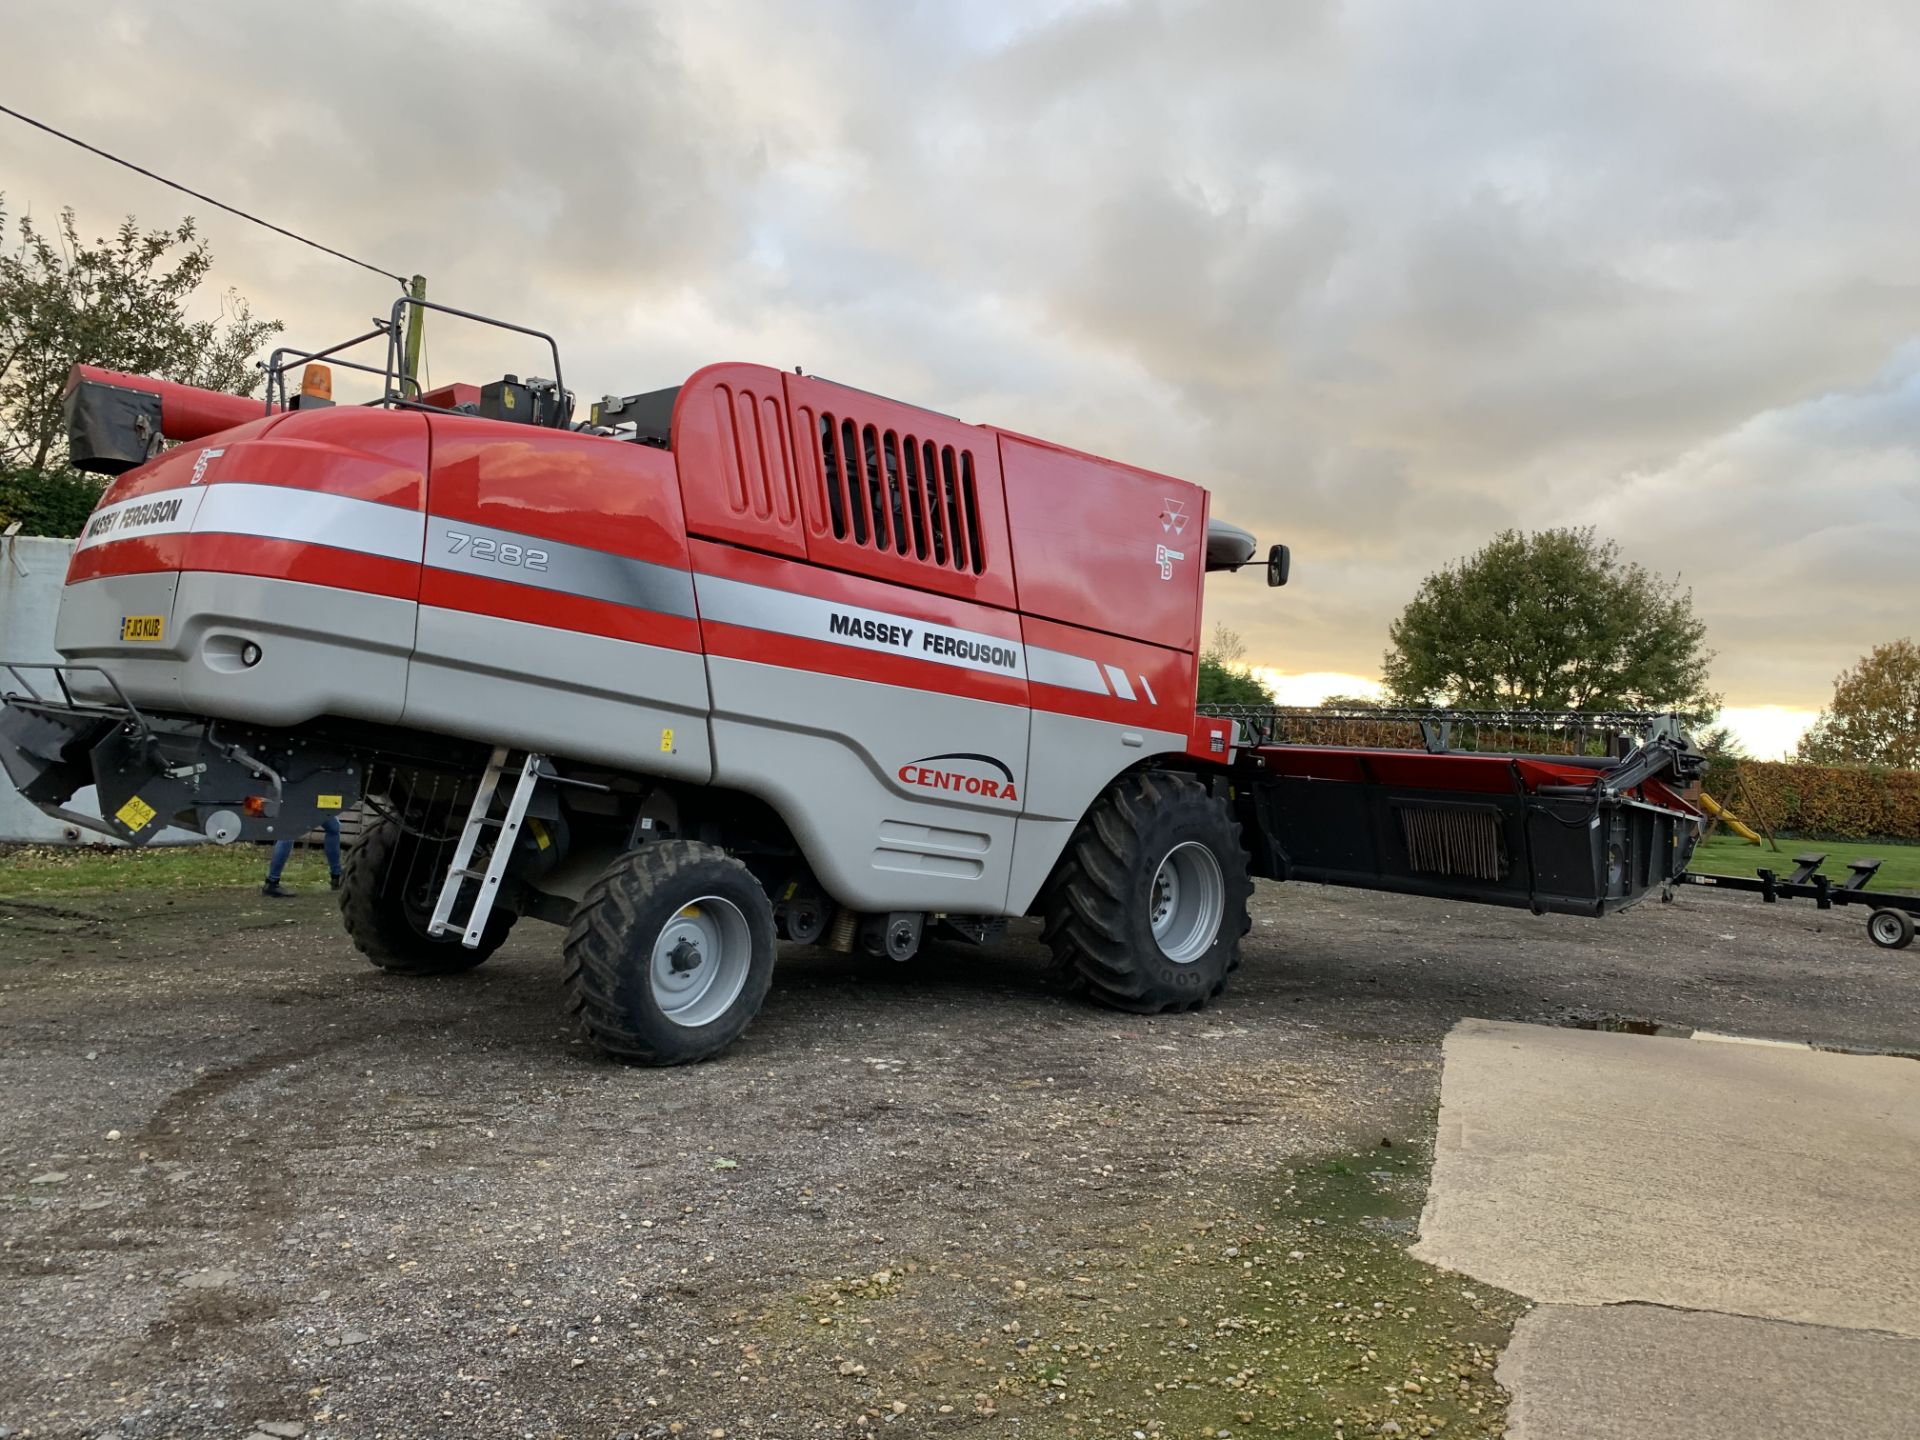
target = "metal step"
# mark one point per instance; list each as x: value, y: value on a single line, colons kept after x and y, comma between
x: 480, y: 819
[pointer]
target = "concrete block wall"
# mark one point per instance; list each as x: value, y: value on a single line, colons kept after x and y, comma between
x: 32, y: 570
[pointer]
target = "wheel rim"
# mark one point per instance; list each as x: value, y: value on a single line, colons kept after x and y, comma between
x: 700, y: 961
x: 1186, y: 902
x: 1885, y: 927
x: 418, y: 895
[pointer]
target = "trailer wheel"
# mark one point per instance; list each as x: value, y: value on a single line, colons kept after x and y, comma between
x: 670, y: 954
x: 388, y: 886
x: 1890, y: 929
x: 1147, y: 906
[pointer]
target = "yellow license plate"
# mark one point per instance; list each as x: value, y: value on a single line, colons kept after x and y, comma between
x: 142, y: 627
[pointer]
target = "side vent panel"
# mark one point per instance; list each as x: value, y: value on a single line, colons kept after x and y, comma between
x: 734, y: 448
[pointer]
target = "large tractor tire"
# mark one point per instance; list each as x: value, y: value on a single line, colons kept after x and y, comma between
x: 670, y: 954
x: 1147, y: 906
x: 388, y: 887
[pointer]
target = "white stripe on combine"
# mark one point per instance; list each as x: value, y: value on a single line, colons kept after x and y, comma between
x: 786, y: 612
x: 1068, y: 672
x: 163, y: 512
x: 341, y: 522
x: 267, y: 512
x: 312, y: 517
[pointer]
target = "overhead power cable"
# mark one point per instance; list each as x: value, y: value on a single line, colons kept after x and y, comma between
x: 187, y: 190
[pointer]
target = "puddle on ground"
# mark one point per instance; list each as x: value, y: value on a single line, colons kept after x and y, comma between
x: 1627, y: 1025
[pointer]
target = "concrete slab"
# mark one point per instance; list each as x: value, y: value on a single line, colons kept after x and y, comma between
x: 1585, y: 1167
x: 1625, y: 1372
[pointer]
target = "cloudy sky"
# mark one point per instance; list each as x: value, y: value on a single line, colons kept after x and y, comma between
x: 1385, y: 277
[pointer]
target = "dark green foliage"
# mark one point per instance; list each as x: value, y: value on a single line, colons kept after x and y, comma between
x: 51, y: 502
x: 1221, y: 684
x: 1224, y: 676
x: 1554, y: 620
x: 121, y: 302
x: 1723, y: 752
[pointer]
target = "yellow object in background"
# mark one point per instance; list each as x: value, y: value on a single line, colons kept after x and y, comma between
x: 1720, y: 812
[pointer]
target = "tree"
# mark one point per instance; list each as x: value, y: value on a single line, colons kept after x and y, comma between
x: 1224, y: 677
x: 1554, y: 620
x: 1723, y: 752
x: 121, y: 302
x: 1875, y: 715
x: 1720, y: 746
x: 55, y: 503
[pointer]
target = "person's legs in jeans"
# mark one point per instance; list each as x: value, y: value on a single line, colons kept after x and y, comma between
x: 331, y: 836
x: 276, y: 862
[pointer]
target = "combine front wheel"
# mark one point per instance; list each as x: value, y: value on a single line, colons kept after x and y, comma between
x: 1147, y: 906
x: 387, y: 891
x: 669, y: 954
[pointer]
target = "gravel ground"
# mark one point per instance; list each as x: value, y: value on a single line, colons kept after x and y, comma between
x: 250, y: 1185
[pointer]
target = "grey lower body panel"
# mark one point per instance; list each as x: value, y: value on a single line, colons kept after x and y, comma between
x: 1074, y: 759
x: 350, y: 655
x: 829, y: 752
x: 323, y: 651
x: 561, y: 692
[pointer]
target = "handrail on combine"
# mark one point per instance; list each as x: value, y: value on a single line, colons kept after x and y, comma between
x: 277, y: 367
x: 398, y: 389
x: 123, y: 710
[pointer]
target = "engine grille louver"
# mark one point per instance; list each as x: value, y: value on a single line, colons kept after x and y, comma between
x: 916, y: 498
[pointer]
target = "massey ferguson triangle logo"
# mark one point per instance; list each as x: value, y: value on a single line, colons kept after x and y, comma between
x: 935, y: 772
x: 1173, y: 516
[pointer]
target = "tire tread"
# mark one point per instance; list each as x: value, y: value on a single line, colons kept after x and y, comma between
x: 1088, y: 905
x: 372, y: 909
x: 599, y: 965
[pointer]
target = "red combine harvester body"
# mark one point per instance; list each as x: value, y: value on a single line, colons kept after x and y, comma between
x: 759, y: 653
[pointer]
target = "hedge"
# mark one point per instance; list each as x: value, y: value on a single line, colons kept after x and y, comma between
x: 1820, y: 801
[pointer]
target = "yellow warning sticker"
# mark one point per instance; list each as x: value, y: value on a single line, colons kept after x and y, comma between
x: 666, y: 742
x: 326, y: 802
x: 142, y: 627
x: 135, y: 814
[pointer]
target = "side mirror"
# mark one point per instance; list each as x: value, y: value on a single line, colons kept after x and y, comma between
x: 1279, y: 562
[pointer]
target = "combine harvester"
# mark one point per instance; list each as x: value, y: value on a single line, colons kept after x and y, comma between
x: 756, y: 655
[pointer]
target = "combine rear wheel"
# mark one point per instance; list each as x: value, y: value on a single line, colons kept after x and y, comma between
x: 1147, y: 906
x: 669, y: 954
x: 387, y: 891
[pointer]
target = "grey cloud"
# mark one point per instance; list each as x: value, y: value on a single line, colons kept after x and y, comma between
x: 1387, y: 278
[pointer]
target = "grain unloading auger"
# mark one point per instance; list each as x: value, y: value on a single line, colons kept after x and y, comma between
x: 755, y: 655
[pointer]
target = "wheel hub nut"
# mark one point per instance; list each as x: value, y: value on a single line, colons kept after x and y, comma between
x: 684, y: 957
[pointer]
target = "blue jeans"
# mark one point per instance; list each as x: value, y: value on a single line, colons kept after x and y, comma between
x: 282, y: 849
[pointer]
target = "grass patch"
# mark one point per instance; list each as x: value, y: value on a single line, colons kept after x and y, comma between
x: 1725, y: 854
x: 31, y: 870
x: 1302, y: 1315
